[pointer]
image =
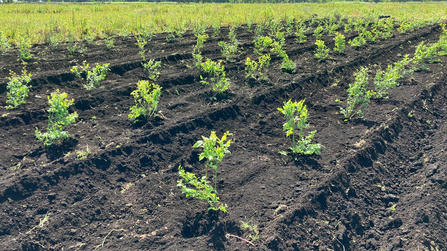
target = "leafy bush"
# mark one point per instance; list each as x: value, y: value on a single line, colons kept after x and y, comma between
x: 261, y: 43
x: 214, y: 150
x: 93, y: 78
x: 358, y: 96
x: 385, y: 80
x: 5, y: 45
x: 215, y: 72
x: 24, y: 49
x: 17, y: 89
x: 152, y: 67
x: 339, y: 43
x: 202, y: 190
x: 322, y: 52
x: 358, y: 41
x: 228, y: 50
x: 58, y: 119
x: 146, y: 98
x: 257, y: 70
x: 318, y: 32
x: 296, y: 120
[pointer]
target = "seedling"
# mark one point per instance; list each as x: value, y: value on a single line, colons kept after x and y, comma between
x: 357, y: 41
x: 287, y: 64
x: 216, y: 74
x: 300, y: 30
x: 24, y: 49
x: 322, y: 52
x: 141, y: 42
x: 5, y: 45
x: 197, y: 53
x: 228, y: 50
x: 261, y: 44
x: 318, y: 32
x: 17, y: 89
x: 216, y: 29
x: 92, y: 77
x: 214, y: 149
x: 385, y: 80
x: 146, y: 99
x: 231, y: 48
x: 358, y: 96
x: 202, y: 190
x: 110, y: 43
x: 295, y: 114
x: 257, y: 70
x: 340, y: 44
x: 251, y: 228
x: 58, y: 119
x: 152, y: 68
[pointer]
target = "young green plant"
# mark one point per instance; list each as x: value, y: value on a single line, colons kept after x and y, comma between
x: 17, y: 89
x: 295, y: 114
x: 322, y: 52
x: 152, y: 67
x: 58, y: 119
x: 215, y: 72
x: 146, y: 98
x: 214, y: 150
x: 358, y: 96
x: 93, y: 77
x: 257, y: 69
x: 339, y: 43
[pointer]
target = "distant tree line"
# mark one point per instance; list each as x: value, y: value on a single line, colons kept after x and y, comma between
x: 219, y: 1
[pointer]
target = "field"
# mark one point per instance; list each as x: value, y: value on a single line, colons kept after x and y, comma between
x: 378, y: 183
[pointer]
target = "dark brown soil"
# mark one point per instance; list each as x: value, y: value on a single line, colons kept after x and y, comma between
x: 379, y: 184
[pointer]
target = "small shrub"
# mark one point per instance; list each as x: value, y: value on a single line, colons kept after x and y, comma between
x: 141, y: 43
x: 197, y: 53
x: 214, y: 150
x: 94, y: 77
x: 58, y: 119
x: 152, y: 67
x: 5, y: 45
x: 17, y: 89
x: 322, y: 52
x: 300, y: 36
x: 388, y: 79
x: 358, y: 41
x: 110, y: 42
x: 318, y: 32
x: 24, y: 49
x: 287, y: 64
x: 228, y: 50
x: 216, y: 29
x: 261, y: 44
x: 257, y: 70
x: 146, y: 98
x: 358, y: 96
x: 215, y: 72
x: 295, y: 114
x: 201, y: 190
x: 339, y: 43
